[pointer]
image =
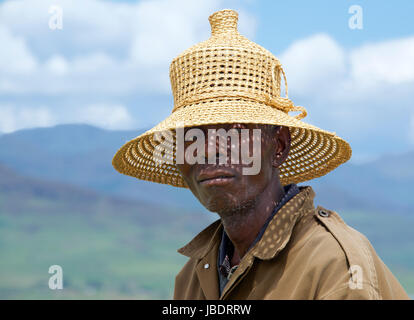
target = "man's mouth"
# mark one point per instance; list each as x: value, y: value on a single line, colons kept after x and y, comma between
x: 215, y: 178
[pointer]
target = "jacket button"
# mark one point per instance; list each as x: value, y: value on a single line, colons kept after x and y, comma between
x: 323, y: 213
x: 206, y: 266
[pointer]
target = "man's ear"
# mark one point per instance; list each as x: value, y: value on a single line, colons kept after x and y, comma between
x: 282, y: 142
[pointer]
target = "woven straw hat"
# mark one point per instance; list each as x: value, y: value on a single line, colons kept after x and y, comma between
x: 230, y: 79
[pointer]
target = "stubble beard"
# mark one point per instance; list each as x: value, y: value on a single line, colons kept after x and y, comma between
x: 234, y: 215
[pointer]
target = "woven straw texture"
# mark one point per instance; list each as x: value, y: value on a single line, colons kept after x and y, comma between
x: 230, y: 79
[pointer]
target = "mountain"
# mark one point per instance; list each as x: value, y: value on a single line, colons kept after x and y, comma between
x: 21, y: 193
x: 12, y: 183
x: 384, y: 184
x: 81, y: 155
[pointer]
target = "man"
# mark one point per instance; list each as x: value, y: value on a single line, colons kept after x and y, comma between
x: 270, y: 241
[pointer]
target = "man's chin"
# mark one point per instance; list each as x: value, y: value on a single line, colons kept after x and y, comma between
x: 227, y: 207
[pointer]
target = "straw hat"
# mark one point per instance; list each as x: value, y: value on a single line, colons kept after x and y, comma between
x: 230, y: 79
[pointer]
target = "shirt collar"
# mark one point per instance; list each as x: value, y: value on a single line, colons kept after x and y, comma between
x: 275, y: 237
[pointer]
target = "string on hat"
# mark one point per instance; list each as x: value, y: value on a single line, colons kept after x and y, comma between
x: 284, y: 103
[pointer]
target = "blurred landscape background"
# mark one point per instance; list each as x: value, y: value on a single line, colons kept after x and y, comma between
x: 72, y: 95
x: 61, y: 202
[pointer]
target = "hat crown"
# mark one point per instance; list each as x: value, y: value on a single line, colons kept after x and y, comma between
x: 227, y: 66
x: 223, y: 21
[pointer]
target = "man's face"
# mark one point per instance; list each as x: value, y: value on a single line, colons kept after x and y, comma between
x: 226, y: 188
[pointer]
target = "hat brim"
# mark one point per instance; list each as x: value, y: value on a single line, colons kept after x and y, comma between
x: 313, y: 153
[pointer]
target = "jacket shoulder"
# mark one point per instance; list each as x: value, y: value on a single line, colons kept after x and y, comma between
x: 367, y: 276
x: 354, y: 244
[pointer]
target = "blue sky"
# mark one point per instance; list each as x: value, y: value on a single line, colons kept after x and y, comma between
x: 108, y: 65
x: 281, y: 22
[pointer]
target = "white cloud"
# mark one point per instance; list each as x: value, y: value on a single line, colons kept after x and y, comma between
x: 121, y: 48
x: 389, y: 62
x: 94, y: 62
x: 105, y: 116
x: 15, y: 57
x: 364, y: 94
x: 87, y: 24
x: 111, y: 47
x: 12, y: 118
x: 313, y: 63
x: 159, y: 37
x: 57, y: 65
x: 318, y: 65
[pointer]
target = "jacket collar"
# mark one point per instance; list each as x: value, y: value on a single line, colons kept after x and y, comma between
x: 280, y: 228
x: 275, y: 237
x: 203, y: 242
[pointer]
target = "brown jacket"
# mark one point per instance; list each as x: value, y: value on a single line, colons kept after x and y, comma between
x: 305, y: 253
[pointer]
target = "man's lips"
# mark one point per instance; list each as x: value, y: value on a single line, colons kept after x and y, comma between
x: 217, y: 177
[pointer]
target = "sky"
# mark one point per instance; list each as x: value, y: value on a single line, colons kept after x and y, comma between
x: 108, y: 63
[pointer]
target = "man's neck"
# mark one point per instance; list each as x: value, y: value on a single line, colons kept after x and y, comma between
x: 244, y: 224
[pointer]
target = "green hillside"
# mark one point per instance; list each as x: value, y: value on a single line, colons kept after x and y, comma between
x: 103, y: 255
x: 107, y: 247
x: 121, y: 254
